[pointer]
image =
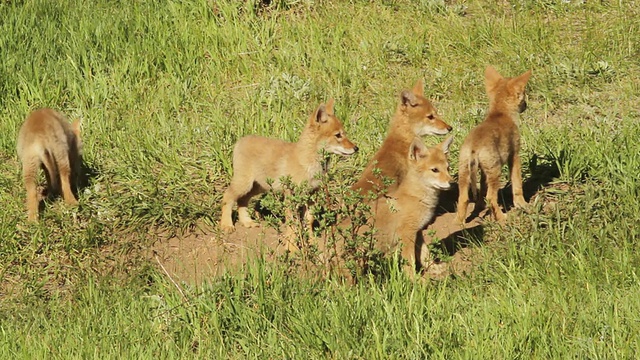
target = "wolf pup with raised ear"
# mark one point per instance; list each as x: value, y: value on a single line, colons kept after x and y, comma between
x: 493, y: 143
x: 256, y: 159
x: 415, y: 116
x: 47, y: 140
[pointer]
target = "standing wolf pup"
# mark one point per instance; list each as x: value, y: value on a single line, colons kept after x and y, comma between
x: 47, y: 140
x: 415, y: 116
x: 493, y: 143
x: 256, y: 159
x: 406, y: 211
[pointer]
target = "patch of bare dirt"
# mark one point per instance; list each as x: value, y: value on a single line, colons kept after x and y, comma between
x: 456, y: 242
x: 205, y: 253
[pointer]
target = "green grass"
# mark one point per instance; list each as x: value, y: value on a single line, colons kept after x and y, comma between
x: 165, y: 88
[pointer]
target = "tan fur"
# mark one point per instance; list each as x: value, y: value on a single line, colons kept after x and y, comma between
x: 414, y: 116
x: 493, y: 143
x: 47, y: 140
x: 256, y: 159
x: 406, y: 211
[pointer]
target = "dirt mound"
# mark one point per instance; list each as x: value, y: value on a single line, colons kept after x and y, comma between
x: 207, y: 253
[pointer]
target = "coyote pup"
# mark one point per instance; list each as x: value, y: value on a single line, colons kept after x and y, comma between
x: 47, y: 140
x: 415, y: 116
x: 493, y: 143
x: 256, y: 159
x: 406, y: 211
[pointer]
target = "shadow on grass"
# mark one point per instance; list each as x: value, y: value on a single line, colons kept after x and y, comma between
x: 458, y: 240
x: 86, y: 174
x: 541, y: 175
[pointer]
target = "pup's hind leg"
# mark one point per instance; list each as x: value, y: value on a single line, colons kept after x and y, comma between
x: 515, y: 168
x: 493, y: 184
x: 463, y: 192
x: 238, y: 191
x: 29, y: 174
x: 51, y: 173
x: 480, y: 198
x: 64, y: 170
x: 244, y: 217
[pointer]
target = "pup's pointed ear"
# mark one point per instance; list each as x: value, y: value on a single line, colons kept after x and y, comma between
x: 408, y: 98
x: 76, y: 127
x: 525, y: 77
x: 521, y: 81
x: 418, y: 88
x: 321, y: 115
x: 445, y: 144
x: 417, y: 149
x: 491, y: 77
x: 329, y: 106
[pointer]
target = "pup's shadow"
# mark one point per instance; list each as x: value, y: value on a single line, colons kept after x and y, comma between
x: 458, y: 240
x: 86, y: 174
x: 542, y: 173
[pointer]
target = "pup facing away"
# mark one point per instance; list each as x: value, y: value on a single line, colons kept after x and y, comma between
x: 46, y: 140
x: 403, y: 214
x: 414, y: 116
x: 256, y: 159
x: 493, y: 143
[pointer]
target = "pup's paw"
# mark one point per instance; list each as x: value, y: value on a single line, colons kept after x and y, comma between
x: 479, y: 206
x: 500, y: 216
x: 249, y: 224
x: 520, y: 204
x: 227, y: 228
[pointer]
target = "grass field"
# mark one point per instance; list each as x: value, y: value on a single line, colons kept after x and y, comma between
x: 165, y: 88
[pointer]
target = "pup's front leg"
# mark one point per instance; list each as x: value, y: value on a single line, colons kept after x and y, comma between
x: 309, y: 220
x: 411, y: 250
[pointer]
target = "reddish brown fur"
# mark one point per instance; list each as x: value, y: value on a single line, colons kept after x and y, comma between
x: 47, y: 140
x: 402, y: 214
x: 493, y: 143
x: 414, y: 116
x: 256, y: 159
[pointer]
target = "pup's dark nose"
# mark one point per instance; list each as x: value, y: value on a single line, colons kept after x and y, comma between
x: 449, y: 128
x: 355, y: 149
x: 522, y: 107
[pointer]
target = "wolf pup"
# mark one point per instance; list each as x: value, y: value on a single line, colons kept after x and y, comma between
x: 403, y: 213
x: 493, y: 143
x: 47, y: 140
x: 256, y: 159
x: 415, y: 116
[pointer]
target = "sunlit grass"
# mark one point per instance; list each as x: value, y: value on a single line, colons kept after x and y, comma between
x: 165, y: 89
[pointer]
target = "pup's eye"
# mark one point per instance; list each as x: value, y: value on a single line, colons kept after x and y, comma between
x: 430, y: 117
x: 435, y: 170
x: 338, y: 136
